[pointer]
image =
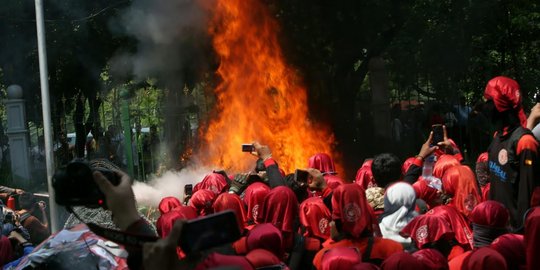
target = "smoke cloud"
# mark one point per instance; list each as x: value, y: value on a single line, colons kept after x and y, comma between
x: 168, y: 34
x: 170, y: 184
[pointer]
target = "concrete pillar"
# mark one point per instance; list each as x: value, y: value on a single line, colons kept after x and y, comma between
x: 17, y: 132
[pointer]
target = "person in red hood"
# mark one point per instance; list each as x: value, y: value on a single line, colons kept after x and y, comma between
x: 482, y: 175
x: 171, y: 210
x: 215, y: 182
x: 484, y: 259
x: 254, y: 198
x: 262, y: 258
x: 460, y: 184
x: 401, y: 261
x: 280, y: 207
x: 167, y: 204
x: 315, y: 220
x: 166, y: 221
x: 341, y: 258
x: 512, y: 248
x: 324, y: 163
x: 532, y: 238
x: 489, y: 221
x: 431, y: 259
x: 430, y: 231
x: 513, y: 153
x: 353, y: 225
x: 364, y: 175
x: 202, y: 201
x: 233, y: 202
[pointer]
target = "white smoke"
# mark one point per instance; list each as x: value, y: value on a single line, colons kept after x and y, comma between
x: 169, y: 184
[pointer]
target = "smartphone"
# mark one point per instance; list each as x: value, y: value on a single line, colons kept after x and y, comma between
x: 188, y: 190
x: 248, y: 148
x: 438, y: 134
x: 209, y: 231
x: 301, y: 176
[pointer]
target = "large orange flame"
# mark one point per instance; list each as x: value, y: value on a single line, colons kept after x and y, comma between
x: 259, y: 97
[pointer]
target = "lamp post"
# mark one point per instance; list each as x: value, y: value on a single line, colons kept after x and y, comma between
x: 46, y: 109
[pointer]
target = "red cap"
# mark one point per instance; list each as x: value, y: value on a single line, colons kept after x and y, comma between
x: 505, y: 95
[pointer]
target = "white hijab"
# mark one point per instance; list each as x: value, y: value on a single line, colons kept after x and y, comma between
x: 399, y: 204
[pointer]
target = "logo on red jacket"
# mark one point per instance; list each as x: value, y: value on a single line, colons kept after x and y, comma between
x: 503, y: 157
x: 352, y: 212
x: 255, y: 211
x: 422, y: 234
x: 323, y: 225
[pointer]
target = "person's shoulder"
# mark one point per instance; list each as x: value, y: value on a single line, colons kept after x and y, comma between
x: 527, y: 142
x: 388, y: 244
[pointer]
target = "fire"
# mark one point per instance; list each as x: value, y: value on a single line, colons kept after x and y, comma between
x: 260, y: 97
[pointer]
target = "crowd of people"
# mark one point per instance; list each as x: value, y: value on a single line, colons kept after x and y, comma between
x: 393, y: 216
x: 430, y: 211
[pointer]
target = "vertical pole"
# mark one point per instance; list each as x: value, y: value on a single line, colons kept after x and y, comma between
x: 46, y: 109
x: 128, y: 148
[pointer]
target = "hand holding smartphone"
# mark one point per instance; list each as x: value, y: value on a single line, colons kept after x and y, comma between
x: 438, y: 134
x: 209, y: 231
x: 248, y: 147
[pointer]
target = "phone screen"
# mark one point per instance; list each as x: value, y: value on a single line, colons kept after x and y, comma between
x: 301, y: 176
x: 209, y: 231
x: 248, y: 148
x: 188, y: 190
x: 438, y: 134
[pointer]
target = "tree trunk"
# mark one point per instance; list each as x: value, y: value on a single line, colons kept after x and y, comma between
x: 80, y: 131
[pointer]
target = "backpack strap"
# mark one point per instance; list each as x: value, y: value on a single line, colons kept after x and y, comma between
x: 367, y: 253
x: 23, y: 217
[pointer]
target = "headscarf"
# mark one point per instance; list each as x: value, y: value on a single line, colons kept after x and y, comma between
x: 490, y: 220
x: 322, y: 162
x: 431, y: 259
x: 350, y: 207
x: 340, y: 258
x: 428, y: 194
x: 458, y: 223
x: 6, y: 251
x: 532, y: 238
x: 167, y: 204
x: 505, y: 94
x: 203, y: 200
x: 484, y: 259
x: 512, y: 248
x: 265, y: 236
x: 263, y: 258
x: 280, y: 207
x: 364, y: 176
x: 460, y: 183
x: 427, y: 229
x: 231, y: 201
x: 215, y: 260
x: 482, y: 171
x: 399, y: 205
x: 254, y: 198
x: 215, y: 182
x: 443, y: 163
x: 166, y: 221
x: 315, y: 218
x: 401, y: 261
x: 332, y: 181
x: 407, y: 164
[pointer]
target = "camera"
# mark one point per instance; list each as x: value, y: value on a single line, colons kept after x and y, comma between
x: 74, y: 185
